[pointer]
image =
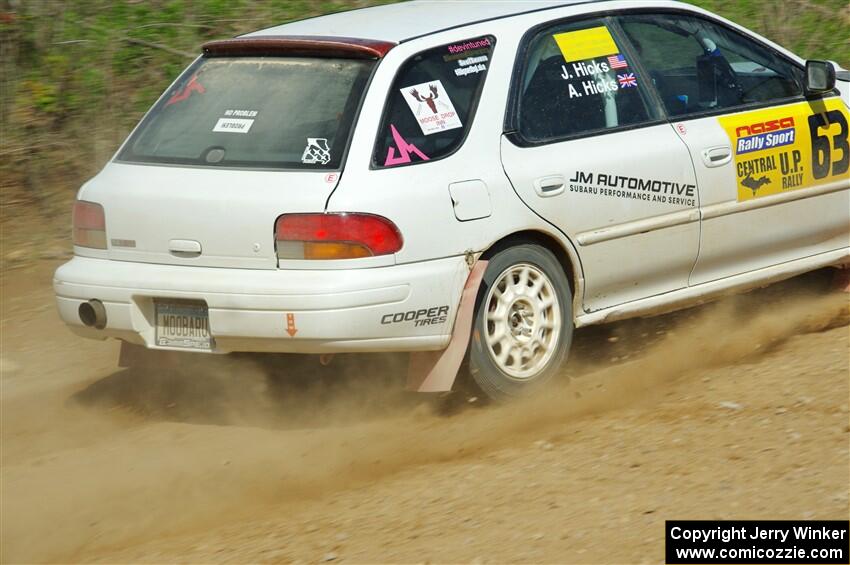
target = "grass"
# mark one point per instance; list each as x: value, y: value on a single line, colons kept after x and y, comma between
x: 76, y: 75
x: 814, y: 29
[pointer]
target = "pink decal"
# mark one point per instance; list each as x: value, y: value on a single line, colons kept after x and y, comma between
x: 192, y: 86
x: 474, y: 44
x: 404, y: 150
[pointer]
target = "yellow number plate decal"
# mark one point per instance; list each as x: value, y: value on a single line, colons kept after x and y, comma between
x: 796, y: 146
x: 586, y: 44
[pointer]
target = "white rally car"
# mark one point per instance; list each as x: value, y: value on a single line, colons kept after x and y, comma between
x: 459, y: 179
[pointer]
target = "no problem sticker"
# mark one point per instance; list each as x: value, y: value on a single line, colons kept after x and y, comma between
x: 236, y: 121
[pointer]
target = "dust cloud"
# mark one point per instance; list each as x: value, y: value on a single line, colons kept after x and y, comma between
x: 175, y: 449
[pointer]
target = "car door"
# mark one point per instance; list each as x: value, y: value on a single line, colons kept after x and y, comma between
x: 587, y: 148
x: 771, y: 165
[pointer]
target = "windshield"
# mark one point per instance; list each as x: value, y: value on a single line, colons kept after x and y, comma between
x: 262, y: 112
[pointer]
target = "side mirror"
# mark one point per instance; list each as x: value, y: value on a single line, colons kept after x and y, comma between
x: 820, y: 77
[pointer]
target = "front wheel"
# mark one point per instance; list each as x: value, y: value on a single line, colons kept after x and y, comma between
x: 523, y: 322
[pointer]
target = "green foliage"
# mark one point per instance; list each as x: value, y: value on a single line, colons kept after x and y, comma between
x: 43, y: 96
x: 77, y: 75
x: 814, y: 29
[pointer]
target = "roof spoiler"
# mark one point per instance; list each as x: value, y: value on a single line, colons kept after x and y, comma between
x: 314, y: 46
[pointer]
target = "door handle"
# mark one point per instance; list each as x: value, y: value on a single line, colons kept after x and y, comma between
x: 717, y: 156
x: 184, y: 247
x: 549, y: 186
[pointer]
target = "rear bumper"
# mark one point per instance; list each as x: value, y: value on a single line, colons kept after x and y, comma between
x: 334, y: 310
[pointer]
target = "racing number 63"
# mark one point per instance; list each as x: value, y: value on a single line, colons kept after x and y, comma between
x: 821, y: 148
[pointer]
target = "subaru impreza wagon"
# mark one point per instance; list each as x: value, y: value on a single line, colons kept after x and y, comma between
x: 461, y: 180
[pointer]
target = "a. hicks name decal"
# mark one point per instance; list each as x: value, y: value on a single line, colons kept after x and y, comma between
x: 796, y: 146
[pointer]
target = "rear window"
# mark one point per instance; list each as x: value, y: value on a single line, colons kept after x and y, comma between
x: 255, y: 112
x: 432, y: 103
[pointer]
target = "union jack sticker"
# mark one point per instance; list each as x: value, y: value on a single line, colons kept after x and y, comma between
x: 627, y: 80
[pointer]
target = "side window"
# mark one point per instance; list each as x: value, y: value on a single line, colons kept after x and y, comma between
x: 576, y: 79
x: 432, y: 103
x: 698, y: 66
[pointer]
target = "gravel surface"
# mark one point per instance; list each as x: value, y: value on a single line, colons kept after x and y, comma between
x: 737, y: 410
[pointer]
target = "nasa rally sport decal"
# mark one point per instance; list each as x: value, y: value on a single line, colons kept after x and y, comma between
x: 796, y: 146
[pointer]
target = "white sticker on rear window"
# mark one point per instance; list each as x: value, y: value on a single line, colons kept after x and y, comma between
x: 317, y: 151
x: 240, y: 113
x: 432, y: 107
x: 233, y: 125
x: 471, y: 65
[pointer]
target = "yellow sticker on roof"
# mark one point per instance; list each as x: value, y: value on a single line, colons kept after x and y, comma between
x: 586, y: 44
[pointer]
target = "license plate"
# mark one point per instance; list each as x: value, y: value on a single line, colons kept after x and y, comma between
x: 182, y: 324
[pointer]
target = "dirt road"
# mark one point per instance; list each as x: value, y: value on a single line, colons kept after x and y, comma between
x: 736, y: 410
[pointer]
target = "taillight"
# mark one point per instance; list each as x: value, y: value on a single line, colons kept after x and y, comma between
x: 335, y: 236
x: 89, y: 225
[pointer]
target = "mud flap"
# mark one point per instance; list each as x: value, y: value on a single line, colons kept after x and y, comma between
x: 435, y: 371
x: 131, y: 355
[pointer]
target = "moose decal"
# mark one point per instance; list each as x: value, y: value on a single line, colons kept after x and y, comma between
x: 432, y: 106
x: 429, y: 100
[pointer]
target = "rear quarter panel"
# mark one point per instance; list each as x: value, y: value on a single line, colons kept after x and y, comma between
x: 416, y: 197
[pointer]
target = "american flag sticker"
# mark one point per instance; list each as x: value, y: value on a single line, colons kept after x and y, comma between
x: 627, y: 80
x: 617, y: 62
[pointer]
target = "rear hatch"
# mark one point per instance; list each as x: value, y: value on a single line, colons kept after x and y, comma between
x: 251, y: 130
x: 183, y: 216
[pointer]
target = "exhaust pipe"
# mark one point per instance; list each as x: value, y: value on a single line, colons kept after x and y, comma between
x: 93, y: 314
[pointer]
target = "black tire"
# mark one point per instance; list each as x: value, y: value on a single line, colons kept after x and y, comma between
x: 509, y: 378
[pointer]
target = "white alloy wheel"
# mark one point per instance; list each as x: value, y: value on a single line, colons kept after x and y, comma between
x: 523, y: 321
